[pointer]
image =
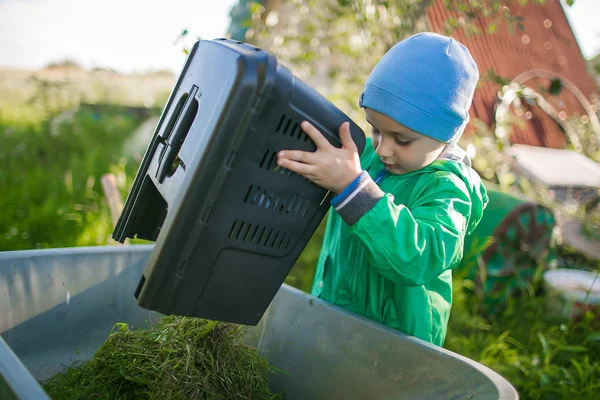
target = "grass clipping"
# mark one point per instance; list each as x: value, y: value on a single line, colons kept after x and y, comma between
x: 178, y: 358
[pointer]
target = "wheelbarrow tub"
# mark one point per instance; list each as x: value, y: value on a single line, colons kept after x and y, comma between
x: 59, y: 306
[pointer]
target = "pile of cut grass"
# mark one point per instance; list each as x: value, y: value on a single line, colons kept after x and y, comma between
x: 177, y: 358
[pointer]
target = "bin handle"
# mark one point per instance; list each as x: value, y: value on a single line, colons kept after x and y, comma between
x: 177, y: 136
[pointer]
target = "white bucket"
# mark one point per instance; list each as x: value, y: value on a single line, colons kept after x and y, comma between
x: 572, y: 291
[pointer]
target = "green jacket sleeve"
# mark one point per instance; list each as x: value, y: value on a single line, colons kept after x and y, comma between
x: 412, y: 246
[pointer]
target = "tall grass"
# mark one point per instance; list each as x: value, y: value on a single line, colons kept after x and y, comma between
x: 50, y: 179
x: 543, y: 356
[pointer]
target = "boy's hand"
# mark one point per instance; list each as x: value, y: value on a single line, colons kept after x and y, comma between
x: 329, y: 167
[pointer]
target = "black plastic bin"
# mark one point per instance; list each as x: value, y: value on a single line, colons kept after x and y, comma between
x: 228, y: 223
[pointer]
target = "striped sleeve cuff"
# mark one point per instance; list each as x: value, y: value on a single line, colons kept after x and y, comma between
x: 357, y: 199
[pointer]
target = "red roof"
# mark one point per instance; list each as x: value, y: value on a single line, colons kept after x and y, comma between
x: 547, y: 43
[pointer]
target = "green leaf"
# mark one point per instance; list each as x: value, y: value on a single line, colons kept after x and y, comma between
x: 593, y: 337
x: 492, y: 28
x: 544, y: 343
x: 572, y: 348
x: 256, y: 7
x: 555, y: 87
x: 570, y: 2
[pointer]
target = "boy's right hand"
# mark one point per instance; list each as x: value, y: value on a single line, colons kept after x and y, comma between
x: 329, y: 167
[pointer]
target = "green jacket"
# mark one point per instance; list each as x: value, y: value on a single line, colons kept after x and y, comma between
x: 393, y: 265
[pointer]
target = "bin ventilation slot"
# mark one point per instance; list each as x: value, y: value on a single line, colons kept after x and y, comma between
x: 269, y: 162
x: 294, y: 204
x: 289, y: 127
x: 260, y: 235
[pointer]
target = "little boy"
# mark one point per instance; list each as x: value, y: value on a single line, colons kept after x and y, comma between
x: 402, y: 209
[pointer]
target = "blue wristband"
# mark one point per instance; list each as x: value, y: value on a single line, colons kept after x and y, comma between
x: 349, y: 189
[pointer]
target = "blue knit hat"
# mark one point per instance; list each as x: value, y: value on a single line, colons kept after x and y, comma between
x: 426, y: 83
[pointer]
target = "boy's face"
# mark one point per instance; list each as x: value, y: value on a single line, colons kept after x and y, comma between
x: 401, y: 149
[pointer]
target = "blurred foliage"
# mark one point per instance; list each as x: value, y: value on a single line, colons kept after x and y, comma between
x: 494, y: 165
x: 496, y: 13
x: 55, y: 149
x: 50, y: 178
x: 53, y: 155
x: 52, y: 96
x: 591, y: 223
x: 527, y: 338
x: 542, y: 355
x: 591, y: 226
x: 334, y: 44
x: 589, y: 141
x: 34, y: 96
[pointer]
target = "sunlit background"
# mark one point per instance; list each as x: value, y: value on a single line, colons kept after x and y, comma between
x: 130, y: 35
x: 125, y: 35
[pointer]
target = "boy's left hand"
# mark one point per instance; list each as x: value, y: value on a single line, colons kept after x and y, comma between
x: 329, y: 167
